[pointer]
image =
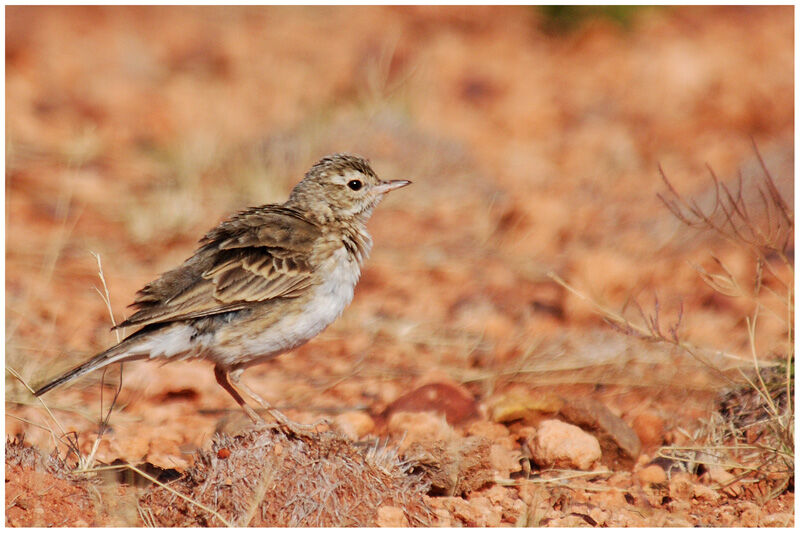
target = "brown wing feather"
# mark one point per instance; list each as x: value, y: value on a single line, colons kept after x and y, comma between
x: 255, y: 256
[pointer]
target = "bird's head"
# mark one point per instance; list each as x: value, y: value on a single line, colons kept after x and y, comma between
x: 342, y: 186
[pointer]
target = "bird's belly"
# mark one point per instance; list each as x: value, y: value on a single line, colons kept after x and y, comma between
x: 324, y: 304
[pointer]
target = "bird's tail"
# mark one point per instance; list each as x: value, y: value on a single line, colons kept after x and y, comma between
x: 117, y: 353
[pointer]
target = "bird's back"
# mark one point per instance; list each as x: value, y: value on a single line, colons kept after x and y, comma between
x: 258, y: 254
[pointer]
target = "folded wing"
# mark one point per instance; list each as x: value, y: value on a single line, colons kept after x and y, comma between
x: 255, y: 256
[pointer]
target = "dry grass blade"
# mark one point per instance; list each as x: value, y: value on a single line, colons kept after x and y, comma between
x: 651, y: 331
x: 35, y: 424
x: 762, y: 389
x: 147, y: 516
x: 267, y: 476
x: 106, y: 297
x: 70, y: 440
x: 162, y: 485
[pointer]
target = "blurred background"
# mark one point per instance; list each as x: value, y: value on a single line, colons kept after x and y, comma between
x: 533, y: 137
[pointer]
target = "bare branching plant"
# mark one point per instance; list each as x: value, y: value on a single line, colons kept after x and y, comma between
x: 752, y: 435
x: 760, y: 414
x: 765, y: 229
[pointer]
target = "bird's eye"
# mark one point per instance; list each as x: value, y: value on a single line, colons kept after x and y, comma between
x: 354, y: 184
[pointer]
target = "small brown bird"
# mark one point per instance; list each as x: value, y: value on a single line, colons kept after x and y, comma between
x: 261, y: 283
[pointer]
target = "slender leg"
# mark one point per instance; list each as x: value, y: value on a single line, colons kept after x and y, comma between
x: 223, y: 378
x: 282, y: 419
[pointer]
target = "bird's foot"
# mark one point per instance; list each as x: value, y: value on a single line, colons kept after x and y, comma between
x: 285, y: 424
x: 290, y: 427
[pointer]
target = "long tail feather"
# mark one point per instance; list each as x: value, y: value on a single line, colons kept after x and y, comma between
x: 117, y: 353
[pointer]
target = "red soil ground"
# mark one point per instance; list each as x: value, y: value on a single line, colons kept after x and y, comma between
x: 130, y: 131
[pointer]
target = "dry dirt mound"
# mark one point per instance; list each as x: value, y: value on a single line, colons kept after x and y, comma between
x: 42, y: 492
x: 267, y: 478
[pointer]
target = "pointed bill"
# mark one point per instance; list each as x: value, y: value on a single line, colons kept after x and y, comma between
x: 386, y: 186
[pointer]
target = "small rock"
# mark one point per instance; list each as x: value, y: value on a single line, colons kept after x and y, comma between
x: 443, y: 518
x: 726, y: 481
x: 487, y: 515
x: 719, y: 475
x: 679, y: 507
x: 354, y: 424
x: 508, y: 500
x: 652, y: 475
x: 496, y: 494
x: 525, y: 433
x: 561, y: 444
x: 681, y: 487
x: 600, y: 516
x: 514, y: 510
x: 701, y: 492
x: 642, y: 461
x: 497, y: 433
x: 419, y: 427
x: 521, y: 404
x: 452, y: 468
x: 650, y: 429
x: 777, y: 520
x: 619, y: 443
x: 734, y: 491
x: 504, y: 461
x: 572, y: 520
x: 750, y: 514
x: 453, y: 401
x: 461, y: 511
x: 390, y: 516
x: 488, y: 429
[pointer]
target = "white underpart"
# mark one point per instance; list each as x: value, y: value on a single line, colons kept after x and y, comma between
x: 171, y: 342
x: 327, y: 303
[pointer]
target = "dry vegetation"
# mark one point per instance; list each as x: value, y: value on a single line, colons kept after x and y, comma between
x: 537, y: 218
x: 752, y: 432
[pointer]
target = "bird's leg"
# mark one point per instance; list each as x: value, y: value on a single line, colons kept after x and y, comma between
x: 224, y: 379
x: 282, y: 419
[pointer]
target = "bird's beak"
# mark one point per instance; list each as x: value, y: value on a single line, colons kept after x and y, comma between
x: 386, y: 186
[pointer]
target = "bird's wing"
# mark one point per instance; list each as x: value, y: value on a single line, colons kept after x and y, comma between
x: 255, y: 256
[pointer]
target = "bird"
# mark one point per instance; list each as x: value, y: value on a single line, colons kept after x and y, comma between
x: 262, y: 282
